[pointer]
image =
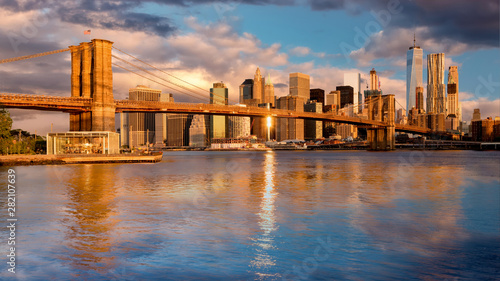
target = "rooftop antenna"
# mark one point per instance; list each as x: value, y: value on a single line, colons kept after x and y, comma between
x: 414, y: 39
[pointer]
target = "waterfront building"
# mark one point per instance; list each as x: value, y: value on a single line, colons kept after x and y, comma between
x: 486, y: 130
x: 138, y: 128
x: 178, y: 129
x: 313, y: 128
x: 300, y: 86
x: 347, y: 130
x: 414, y: 76
x: 317, y: 95
x: 219, y: 123
x: 238, y: 126
x: 288, y: 128
x: 199, y: 131
x: 436, y: 99
x: 83, y: 143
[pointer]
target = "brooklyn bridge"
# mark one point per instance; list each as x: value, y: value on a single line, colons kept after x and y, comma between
x: 92, y: 106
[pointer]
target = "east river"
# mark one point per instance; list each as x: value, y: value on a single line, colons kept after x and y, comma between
x: 308, y: 215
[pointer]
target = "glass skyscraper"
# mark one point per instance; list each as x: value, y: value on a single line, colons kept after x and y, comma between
x: 414, y: 74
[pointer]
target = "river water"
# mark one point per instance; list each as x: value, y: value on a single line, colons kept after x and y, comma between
x: 307, y: 215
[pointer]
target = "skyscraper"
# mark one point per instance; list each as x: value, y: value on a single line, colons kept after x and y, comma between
x: 354, y: 80
x: 420, y: 99
x: 374, y: 84
x: 452, y: 108
x: 139, y: 128
x: 288, y: 128
x: 435, y: 84
x: 246, y: 90
x: 318, y: 95
x: 258, y: 86
x: 219, y: 123
x: 300, y: 86
x: 414, y: 73
x: 269, y: 91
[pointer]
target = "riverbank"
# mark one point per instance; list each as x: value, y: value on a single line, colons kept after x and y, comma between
x: 27, y: 160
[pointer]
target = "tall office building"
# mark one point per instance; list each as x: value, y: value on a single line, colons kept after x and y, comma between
x: 435, y: 84
x: 258, y: 86
x: 178, y: 129
x: 374, y: 82
x: 414, y: 74
x: 246, y: 90
x: 300, y: 86
x: 288, y: 128
x: 346, y: 95
x: 476, y: 115
x: 452, y: 109
x: 219, y: 123
x: 139, y: 128
x: 269, y: 92
x: 317, y: 95
x: 199, y: 131
x: 419, y: 91
x: 313, y: 128
x: 239, y: 126
x: 354, y: 80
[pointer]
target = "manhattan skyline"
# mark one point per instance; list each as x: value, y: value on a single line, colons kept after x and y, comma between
x: 214, y: 41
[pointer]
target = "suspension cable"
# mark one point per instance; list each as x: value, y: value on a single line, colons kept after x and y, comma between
x: 34, y: 56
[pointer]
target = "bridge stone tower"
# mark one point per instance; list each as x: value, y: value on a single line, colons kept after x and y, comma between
x: 382, y: 108
x: 92, y: 77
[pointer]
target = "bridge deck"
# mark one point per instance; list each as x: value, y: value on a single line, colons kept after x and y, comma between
x: 70, y: 104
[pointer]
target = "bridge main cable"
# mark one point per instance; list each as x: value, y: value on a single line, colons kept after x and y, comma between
x: 34, y: 56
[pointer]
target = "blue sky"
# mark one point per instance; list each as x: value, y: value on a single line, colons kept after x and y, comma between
x: 209, y: 41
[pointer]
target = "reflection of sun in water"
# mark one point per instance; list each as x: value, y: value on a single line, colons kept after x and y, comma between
x: 265, y: 241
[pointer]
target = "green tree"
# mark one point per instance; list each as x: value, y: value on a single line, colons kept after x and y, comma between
x: 5, y: 135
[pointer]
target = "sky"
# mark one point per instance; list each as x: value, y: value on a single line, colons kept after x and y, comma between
x: 207, y: 41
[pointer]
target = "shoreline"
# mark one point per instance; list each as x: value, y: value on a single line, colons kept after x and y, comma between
x: 42, y: 159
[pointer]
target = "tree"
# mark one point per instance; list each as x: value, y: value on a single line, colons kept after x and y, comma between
x: 5, y: 135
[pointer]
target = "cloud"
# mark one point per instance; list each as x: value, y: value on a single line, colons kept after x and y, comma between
x: 489, y: 108
x: 300, y: 51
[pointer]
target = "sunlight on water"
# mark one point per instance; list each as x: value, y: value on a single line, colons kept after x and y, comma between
x: 262, y: 216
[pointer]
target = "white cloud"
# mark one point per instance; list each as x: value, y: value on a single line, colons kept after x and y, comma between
x: 300, y: 51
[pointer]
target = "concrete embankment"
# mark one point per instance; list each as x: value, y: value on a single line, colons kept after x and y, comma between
x: 24, y: 160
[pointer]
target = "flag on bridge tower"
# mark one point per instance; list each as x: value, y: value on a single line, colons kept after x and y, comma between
x: 86, y: 32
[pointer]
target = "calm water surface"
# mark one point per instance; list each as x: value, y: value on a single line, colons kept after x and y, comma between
x: 260, y: 216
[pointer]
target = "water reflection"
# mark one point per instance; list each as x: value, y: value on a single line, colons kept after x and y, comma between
x: 90, y: 219
x: 264, y: 243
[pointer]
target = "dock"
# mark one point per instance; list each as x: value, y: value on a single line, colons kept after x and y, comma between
x: 27, y: 160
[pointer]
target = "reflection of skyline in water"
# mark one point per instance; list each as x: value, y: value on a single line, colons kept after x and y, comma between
x: 258, y: 215
x: 264, y: 243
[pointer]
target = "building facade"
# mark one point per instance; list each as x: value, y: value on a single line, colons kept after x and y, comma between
x: 246, y: 90
x: 219, y: 123
x: 313, y: 128
x: 436, y: 99
x: 288, y: 128
x: 300, y: 86
x: 269, y: 92
x: 354, y: 80
x: 317, y: 95
x: 258, y: 86
x: 414, y: 75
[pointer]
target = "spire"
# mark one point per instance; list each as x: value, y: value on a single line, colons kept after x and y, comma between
x: 414, y: 39
x: 257, y: 73
x: 269, y: 82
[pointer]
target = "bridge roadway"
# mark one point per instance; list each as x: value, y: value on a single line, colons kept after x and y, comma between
x: 79, y: 104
